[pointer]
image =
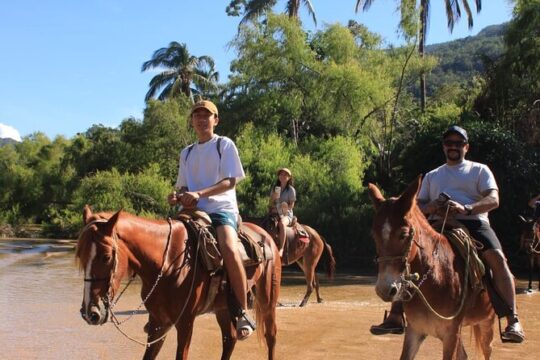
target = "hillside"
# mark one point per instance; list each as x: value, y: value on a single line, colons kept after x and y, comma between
x: 5, y: 141
x: 461, y: 59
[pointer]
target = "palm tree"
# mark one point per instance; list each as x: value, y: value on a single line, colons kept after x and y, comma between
x: 181, y: 71
x: 453, y: 13
x: 255, y: 8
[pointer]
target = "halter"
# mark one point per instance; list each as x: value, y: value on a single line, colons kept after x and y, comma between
x: 408, y: 279
x: 406, y: 274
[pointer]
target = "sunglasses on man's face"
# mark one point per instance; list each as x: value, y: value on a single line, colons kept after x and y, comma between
x: 455, y: 143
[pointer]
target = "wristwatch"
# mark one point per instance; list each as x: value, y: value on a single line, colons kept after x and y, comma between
x: 468, y: 208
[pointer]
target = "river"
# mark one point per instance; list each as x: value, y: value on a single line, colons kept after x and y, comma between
x: 41, y: 293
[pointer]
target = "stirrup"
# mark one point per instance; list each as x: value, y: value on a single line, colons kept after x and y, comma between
x: 244, y: 322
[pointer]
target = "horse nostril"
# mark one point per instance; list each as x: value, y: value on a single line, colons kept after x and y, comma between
x: 94, y: 317
x: 393, y: 291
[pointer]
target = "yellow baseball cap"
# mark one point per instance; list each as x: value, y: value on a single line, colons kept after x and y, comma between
x: 204, y: 104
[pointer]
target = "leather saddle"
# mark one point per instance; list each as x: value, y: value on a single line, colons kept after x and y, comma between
x: 252, y: 247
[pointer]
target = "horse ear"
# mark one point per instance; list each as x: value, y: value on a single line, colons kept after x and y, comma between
x: 375, y: 195
x: 407, y: 200
x: 109, y: 226
x: 87, y: 213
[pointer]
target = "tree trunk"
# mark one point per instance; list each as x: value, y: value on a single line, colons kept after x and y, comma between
x: 421, y: 47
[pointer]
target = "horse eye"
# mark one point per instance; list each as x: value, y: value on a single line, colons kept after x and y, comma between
x: 106, y: 258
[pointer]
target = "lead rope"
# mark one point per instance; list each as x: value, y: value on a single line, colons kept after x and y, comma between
x: 114, y: 318
x: 149, y: 343
x: 466, y: 281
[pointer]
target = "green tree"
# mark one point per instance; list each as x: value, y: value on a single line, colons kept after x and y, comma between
x: 182, y: 71
x: 511, y: 93
x: 453, y: 13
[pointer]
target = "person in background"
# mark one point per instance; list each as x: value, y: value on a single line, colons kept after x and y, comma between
x: 282, y: 199
x: 535, y: 204
x: 208, y: 173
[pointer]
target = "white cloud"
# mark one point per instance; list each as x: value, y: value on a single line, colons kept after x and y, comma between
x: 7, y: 131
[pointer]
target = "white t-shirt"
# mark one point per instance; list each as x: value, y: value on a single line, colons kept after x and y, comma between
x: 464, y: 182
x: 204, y: 168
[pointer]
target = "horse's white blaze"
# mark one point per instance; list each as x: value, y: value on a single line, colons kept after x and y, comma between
x: 386, y: 230
x: 88, y: 275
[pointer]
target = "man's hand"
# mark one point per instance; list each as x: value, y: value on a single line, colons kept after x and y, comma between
x: 456, y: 208
x: 189, y: 199
x: 172, y: 198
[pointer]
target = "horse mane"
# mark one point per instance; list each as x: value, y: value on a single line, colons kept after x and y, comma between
x: 87, y: 233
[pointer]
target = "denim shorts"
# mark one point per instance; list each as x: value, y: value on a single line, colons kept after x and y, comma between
x: 224, y: 218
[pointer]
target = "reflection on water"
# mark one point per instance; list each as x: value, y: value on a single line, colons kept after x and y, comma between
x: 42, y: 292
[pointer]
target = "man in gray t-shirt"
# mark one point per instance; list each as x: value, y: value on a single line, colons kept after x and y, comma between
x: 467, y: 191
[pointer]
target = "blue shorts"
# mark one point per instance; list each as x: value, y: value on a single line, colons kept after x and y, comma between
x: 224, y: 218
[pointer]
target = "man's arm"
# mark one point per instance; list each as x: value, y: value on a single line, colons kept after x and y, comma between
x: 488, y: 202
x: 190, y: 198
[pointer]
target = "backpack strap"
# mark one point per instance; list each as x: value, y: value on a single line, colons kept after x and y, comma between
x: 218, y: 148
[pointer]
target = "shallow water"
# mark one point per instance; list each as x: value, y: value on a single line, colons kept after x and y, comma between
x: 42, y: 292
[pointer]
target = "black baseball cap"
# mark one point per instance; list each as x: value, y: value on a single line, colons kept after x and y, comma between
x: 456, y: 130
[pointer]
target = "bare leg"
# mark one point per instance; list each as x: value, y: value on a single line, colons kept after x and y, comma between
x: 228, y: 242
x: 282, y: 224
x: 504, y: 284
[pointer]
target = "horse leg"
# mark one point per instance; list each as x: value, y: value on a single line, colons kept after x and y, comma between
x: 309, y: 280
x: 483, y: 336
x: 411, y: 343
x: 184, y: 331
x: 452, y: 346
x: 228, y: 332
x: 154, y: 331
x: 316, y: 286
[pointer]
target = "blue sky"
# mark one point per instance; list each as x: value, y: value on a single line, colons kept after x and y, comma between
x: 66, y: 65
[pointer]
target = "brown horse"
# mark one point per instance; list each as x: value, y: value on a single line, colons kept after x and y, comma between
x: 305, y: 254
x: 175, y: 285
x: 530, y: 243
x: 408, y: 250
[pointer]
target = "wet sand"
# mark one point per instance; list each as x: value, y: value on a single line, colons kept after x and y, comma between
x: 42, y: 291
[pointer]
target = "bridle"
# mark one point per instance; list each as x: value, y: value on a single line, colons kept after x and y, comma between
x: 406, y: 275
x: 409, y: 288
x: 108, y: 299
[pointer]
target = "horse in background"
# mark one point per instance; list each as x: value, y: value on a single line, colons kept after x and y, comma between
x: 304, y: 253
x: 175, y: 285
x: 530, y: 243
x: 420, y: 267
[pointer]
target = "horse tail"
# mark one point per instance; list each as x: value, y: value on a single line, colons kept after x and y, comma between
x: 330, y: 260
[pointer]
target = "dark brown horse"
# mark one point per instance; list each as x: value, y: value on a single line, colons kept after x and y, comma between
x: 409, y: 250
x: 530, y: 243
x: 304, y: 253
x: 175, y: 285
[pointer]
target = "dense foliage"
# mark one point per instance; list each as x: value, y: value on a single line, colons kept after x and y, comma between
x: 333, y: 106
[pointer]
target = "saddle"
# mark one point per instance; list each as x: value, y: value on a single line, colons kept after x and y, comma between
x: 479, y: 273
x: 252, y: 248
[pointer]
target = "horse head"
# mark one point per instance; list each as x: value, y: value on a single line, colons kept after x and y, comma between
x: 393, y: 233
x: 97, y: 253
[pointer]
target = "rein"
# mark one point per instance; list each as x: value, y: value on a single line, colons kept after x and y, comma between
x: 117, y: 323
x: 408, y: 279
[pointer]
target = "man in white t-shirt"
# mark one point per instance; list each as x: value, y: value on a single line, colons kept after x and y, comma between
x: 469, y: 191
x: 207, y: 176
